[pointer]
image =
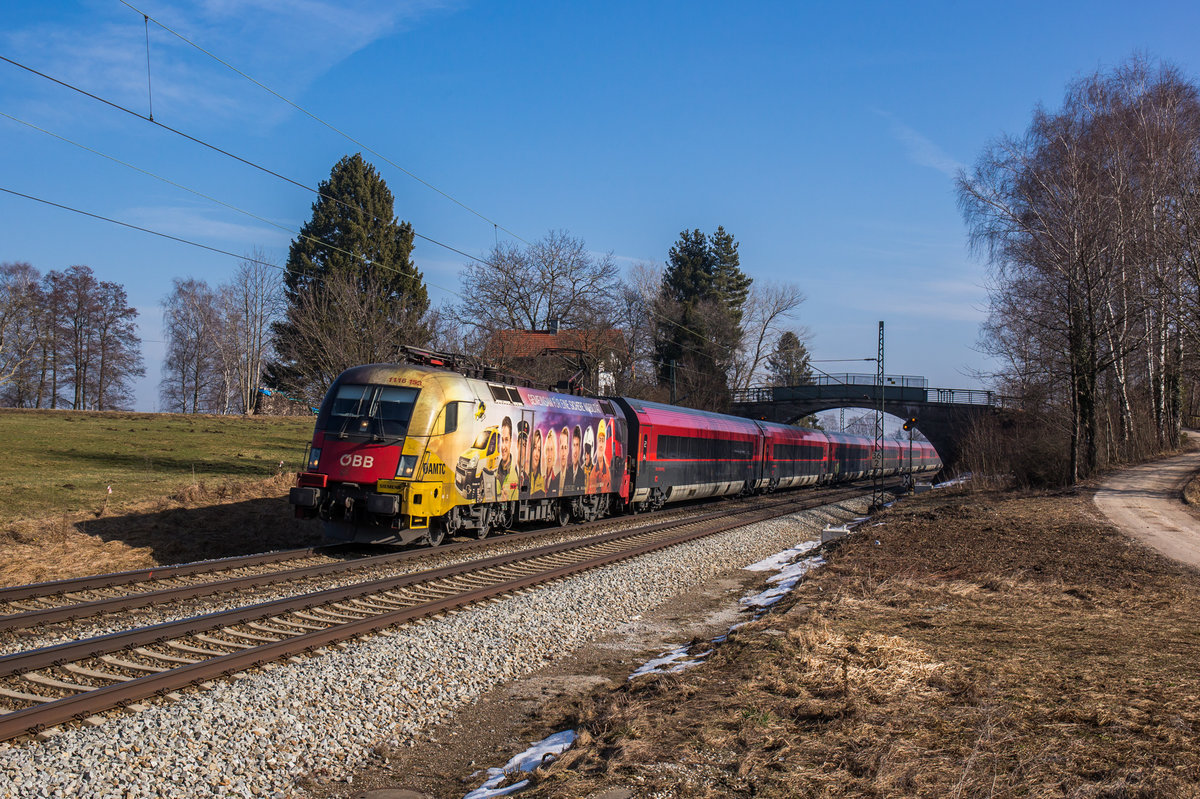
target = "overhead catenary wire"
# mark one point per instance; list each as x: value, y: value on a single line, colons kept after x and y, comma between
x: 225, y: 152
x: 298, y: 184
x: 319, y: 120
x: 365, y: 260
x: 132, y: 226
x: 254, y: 216
x: 495, y: 225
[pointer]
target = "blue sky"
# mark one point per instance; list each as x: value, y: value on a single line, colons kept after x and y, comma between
x: 824, y: 136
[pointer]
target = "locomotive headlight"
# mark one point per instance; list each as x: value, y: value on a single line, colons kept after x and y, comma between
x: 314, y: 458
x: 408, y: 465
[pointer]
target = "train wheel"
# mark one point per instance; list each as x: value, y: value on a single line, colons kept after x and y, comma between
x: 436, y: 534
x: 485, y: 523
x: 591, y: 509
x: 563, y: 514
x: 504, y: 516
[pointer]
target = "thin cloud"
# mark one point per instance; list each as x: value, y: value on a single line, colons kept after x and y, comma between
x: 203, y: 228
x: 934, y: 301
x: 920, y: 149
x: 308, y: 37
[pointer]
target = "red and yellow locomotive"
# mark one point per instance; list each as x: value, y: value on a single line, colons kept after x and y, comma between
x: 407, y: 453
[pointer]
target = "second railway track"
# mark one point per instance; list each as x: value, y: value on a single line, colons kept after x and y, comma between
x: 53, y: 685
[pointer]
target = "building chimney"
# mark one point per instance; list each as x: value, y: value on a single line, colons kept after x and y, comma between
x: 552, y: 325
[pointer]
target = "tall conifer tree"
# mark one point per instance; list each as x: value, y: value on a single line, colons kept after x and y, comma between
x: 700, y: 310
x: 352, y: 245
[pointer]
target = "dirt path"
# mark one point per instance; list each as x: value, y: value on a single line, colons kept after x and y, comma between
x: 1145, y: 503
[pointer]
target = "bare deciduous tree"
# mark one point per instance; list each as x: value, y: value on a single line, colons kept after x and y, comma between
x: 765, y: 316
x: 524, y: 288
x: 251, y: 303
x: 370, y: 328
x: 20, y: 309
x: 1087, y: 224
x: 191, y: 321
x: 553, y: 284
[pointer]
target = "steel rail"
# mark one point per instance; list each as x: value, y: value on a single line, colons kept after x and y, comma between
x: 114, y: 642
x: 73, y: 584
x: 33, y: 719
x: 82, y: 610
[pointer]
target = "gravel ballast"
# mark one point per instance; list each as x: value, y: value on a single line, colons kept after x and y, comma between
x: 259, y: 733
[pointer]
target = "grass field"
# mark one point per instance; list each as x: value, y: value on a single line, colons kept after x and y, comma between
x: 184, y: 488
x: 62, y: 462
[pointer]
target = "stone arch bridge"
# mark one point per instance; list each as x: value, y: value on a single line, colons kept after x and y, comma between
x: 943, y: 414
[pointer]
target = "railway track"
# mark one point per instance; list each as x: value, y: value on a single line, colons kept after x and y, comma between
x: 87, y: 597
x: 19, y: 599
x: 72, y: 681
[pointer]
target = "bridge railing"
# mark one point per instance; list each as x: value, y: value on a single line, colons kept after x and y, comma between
x: 964, y: 396
x: 949, y: 396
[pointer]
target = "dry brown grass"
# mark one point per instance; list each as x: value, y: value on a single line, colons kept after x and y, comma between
x: 974, y: 645
x: 197, y: 522
x: 184, y: 487
x: 1191, y: 492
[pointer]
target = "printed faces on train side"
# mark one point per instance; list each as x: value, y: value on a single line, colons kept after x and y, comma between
x: 549, y: 445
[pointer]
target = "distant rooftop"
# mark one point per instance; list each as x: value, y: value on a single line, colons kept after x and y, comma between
x: 531, y: 343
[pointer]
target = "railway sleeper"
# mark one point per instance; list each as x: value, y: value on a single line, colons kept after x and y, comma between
x: 338, y: 617
x: 164, y: 656
x: 195, y: 650
x: 473, y: 581
x: 209, y: 639
x: 267, y: 628
x: 249, y: 636
x: 37, y: 699
x: 125, y: 664
x: 311, y: 616
x: 294, y: 624
x: 380, y: 605
x: 50, y: 682
x: 299, y: 625
x: 99, y: 675
x: 353, y: 606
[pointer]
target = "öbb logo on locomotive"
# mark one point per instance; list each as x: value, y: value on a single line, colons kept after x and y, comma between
x: 365, y: 461
x: 385, y: 436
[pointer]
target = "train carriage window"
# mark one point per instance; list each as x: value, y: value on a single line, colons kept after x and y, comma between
x: 692, y: 448
x: 393, y: 409
x: 514, y: 396
x: 798, y: 452
x: 452, y: 414
x: 370, y: 410
x: 349, y: 400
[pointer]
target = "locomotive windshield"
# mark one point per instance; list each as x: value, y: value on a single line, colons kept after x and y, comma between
x: 368, y: 410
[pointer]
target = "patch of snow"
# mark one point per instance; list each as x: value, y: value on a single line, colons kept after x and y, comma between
x: 549, y: 747
x: 787, y: 579
x: 790, y: 572
x: 674, y: 661
x: 780, y: 559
